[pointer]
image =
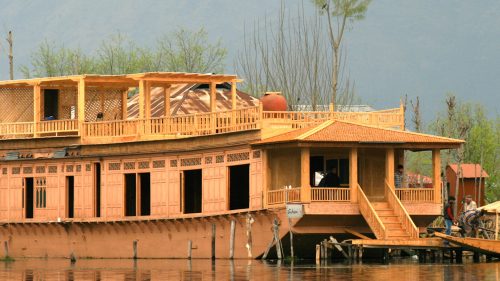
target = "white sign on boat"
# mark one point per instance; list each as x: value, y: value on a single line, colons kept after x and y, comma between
x: 294, y: 211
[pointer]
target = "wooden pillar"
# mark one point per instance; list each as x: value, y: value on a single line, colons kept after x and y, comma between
x: 389, y: 166
x: 166, y: 98
x: 37, y: 108
x: 213, y: 107
x: 147, y: 100
x: 353, y: 174
x: 305, y: 186
x: 81, y: 101
x: 265, y: 177
x: 233, y: 95
x: 142, y: 98
x: 436, y: 174
x: 124, y: 104
x: 496, y: 224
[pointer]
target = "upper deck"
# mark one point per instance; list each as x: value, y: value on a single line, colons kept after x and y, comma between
x: 97, y: 109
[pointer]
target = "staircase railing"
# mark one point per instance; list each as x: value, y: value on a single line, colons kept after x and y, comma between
x: 400, y: 211
x: 370, y: 215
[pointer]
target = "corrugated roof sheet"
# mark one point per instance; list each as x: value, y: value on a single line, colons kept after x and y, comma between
x: 341, y: 131
x: 469, y: 170
x: 190, y: 99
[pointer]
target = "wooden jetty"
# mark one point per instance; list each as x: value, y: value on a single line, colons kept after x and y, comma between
x: 484, y: 246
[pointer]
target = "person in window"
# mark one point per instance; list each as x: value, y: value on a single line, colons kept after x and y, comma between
x: 399, y: 177
x: 331, y: 179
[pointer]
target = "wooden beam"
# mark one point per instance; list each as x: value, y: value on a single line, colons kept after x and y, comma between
x: 357, y: 234
x: 353, y: 174
x: 37, y: 106
x: 81, y: 100
x: 305, y: 187
x: 389, y: 166
x: 436, y: 174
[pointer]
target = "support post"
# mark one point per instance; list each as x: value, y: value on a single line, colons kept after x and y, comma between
x: 142, y: 98
x: 436, y: 174
x: 124, y: 104
x: 305, y: 187
x: 213, y: 106
x: 134, y: 246
x: 231, y: 239
x: 233, y: 95
x: 496, y: 225
x: 190, y: 249
x: 318, y: 251
x: 166, y: 99
x: 81, y: 104
x: 276, y: 231
x: 213, y: 241
x: 353, y: 174
x: 389, y: 167
x: 6, y: 248
x: 37, y: 108
x: 147, y: 100
x: 249, y: 222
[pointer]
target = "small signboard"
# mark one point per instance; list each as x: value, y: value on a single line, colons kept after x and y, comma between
x: 294, y: 211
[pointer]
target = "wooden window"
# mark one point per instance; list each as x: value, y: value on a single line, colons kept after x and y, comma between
x: 41, y: 192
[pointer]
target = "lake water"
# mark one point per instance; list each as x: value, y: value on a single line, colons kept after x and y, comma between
x: 404, y: 269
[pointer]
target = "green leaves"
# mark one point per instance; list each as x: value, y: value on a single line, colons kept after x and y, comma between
x: 180, y: 51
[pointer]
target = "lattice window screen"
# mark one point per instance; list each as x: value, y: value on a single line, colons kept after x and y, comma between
x: 107, y: 101
x: 17, y: 105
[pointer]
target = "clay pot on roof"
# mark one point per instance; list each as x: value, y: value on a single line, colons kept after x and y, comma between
x: 274, y: 101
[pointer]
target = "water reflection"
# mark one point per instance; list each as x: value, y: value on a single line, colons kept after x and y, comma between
x: 93, y: 270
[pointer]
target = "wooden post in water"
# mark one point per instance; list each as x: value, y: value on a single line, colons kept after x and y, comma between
x: 231, y: 239
x: 6, y: 248
x: 213, y: 241
x: 249, y: 222
x: 318, y: 252
x: 190, y: 249
x: 134, y: 246
x: 276, y: 228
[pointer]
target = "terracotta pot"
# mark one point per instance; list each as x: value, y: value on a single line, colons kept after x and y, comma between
x: 274, y: 101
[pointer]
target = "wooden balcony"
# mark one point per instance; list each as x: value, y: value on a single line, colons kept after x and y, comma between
x: 202, y: 124
x: 415, y: 195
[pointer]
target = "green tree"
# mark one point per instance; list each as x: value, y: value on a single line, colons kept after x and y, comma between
x: 339, y: 14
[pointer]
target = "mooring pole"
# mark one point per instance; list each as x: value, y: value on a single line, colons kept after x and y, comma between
x: 11, y: 55
x: 213, y: 241
x: 249, y: 222
x: 231, y: 239
x: 190, y: 249
x: 6, y: 247
x: 134, y: 246
x: 277, y: 238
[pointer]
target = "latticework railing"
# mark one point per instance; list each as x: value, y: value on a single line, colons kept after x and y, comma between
x: 370, y: 215
x: 400, y: 211
x: 415, y: 195
x: 330, y: 194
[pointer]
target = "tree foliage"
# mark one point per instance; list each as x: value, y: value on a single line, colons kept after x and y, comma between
x: 179, y: 51
x: 469, y: 121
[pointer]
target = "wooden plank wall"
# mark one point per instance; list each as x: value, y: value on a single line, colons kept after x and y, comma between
x: 165, y: 174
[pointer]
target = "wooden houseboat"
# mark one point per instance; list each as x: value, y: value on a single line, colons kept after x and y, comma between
x: 177, y: 165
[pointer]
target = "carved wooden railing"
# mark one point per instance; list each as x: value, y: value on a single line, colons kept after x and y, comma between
x: 415, y: 195
x: 111, y: 128
x: 281, y: 196
x: 330, y: 194
x: 366, y: 209
x: 400, y: 211
x: 16, y: 130
x: 299, y: 119
x: 57, y: 126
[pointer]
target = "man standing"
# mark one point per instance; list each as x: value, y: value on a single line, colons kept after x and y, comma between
x: 399, y: 177
x: 469, y: 204
x: 449, y: 218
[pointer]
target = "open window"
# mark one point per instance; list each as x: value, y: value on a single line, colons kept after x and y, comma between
x: 70, y: 196
x: 138, y: 194
x: 50, y: 104
x: 28, y: 197
x: 239, y: 187
x: 192, y: 197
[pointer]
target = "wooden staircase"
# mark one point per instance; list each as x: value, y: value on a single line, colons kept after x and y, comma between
x: 393, y: 226
x: 387, y: 218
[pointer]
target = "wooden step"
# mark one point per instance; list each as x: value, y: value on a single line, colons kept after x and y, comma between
x: 393, y: 226
x: 385, y: 213
x: 380, y: 205
x: 389, y: 219
x: 394, y: 237
x: 397, y: 232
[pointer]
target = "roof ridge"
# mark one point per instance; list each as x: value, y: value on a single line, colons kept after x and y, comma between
x: 401, y: 131
x: 315, y: 130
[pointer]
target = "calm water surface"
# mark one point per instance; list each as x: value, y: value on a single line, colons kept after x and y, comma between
x: 241, y: 270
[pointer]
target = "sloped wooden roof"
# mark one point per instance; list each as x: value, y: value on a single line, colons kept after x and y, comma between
x: 347, y: 132
x: 190, y: 99
x: 492, y: 208
x: 469, y: 170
